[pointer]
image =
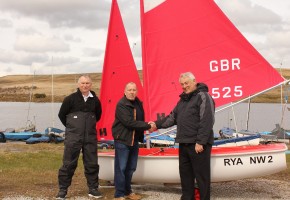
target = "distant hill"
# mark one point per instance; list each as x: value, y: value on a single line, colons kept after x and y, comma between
x: 17, y: 88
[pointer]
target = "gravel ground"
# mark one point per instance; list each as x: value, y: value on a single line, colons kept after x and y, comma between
x: 236, y: 190
x: 259, y: 188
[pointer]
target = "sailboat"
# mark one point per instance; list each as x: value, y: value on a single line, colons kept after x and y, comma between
x: 192, y: 35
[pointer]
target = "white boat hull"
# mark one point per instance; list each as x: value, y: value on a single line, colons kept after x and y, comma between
x: 227, y: 163
x: 255, y: 141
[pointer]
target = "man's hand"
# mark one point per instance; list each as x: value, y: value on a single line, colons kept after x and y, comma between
x: 198, y: 148
x: 153, y: 126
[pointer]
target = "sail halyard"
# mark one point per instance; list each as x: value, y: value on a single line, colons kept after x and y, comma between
x: 198, y: 37
x: 119, y: 69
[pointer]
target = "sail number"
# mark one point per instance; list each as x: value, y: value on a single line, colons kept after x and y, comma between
x: 253, y: 160
x: 227, y: 92
x: 225, y: 65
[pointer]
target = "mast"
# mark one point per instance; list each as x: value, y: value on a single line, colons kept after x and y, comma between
x: 248, y: 114
x: 52, y: 93
x: 28, y: 122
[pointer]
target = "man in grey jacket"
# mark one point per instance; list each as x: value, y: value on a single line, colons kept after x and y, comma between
x: 194, y: 117
x: 79, y: 113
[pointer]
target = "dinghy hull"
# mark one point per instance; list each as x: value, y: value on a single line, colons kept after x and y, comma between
x: 159, y: 165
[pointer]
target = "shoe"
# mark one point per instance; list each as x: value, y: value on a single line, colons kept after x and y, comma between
x: 95, y: 193
x: 133, y: 196
x: 61, y: 194
x: 119, y: 198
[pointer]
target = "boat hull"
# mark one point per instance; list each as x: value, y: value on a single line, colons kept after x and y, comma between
x: 159, y: 165
x: 241, y: 140
x: 19, y: 135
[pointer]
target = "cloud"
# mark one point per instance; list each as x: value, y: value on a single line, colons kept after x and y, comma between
x: 26, y: 31
x: 131, y: 16
x: 92, y: 52
x: 279, y: 39
x: 64, y: 13
x: 39, y: 43
x: 21, y: 57
x: 8, y: 69
x: 251, y: 17
x: 276, y: 48
x: 6, y: 23
x: 60, y: 61
x: 42, y: 59
x: 71, y: 38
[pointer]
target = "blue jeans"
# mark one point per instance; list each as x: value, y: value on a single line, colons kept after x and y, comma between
x: 126, y: 158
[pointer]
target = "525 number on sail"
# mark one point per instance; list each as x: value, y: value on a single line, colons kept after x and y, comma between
x: 227, y: 92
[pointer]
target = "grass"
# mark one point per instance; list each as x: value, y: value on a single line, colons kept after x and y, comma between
x: 31, y: 170
x: 24, y: 172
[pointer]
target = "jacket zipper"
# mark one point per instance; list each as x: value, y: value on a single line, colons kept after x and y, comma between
x: 133, y: 138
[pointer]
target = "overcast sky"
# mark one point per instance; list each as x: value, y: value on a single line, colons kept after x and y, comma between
x: 69, y: 36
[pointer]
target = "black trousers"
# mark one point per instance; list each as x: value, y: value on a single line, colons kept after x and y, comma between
x: 70, y: 162
x: 81, y: 136
x: 194, y: 166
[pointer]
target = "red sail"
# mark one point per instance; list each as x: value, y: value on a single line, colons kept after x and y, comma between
x: 195, y: 35
x: 119, y: 68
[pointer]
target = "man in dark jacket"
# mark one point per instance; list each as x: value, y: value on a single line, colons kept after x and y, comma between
x: 194, y: 117
x: 128, y: 130
x: 79, y: 113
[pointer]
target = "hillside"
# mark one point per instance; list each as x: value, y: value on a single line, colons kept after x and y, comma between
x: 17, y: 88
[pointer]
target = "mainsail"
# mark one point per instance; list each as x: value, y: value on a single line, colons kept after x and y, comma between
x: 119, y: 68
x: 195, y: 35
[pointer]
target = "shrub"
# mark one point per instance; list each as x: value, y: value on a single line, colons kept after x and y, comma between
x: 39, y: 96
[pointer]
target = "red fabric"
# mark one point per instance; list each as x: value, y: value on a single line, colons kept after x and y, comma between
x: 119, y: 68
x: 195, y: 35
x: 197, y: 194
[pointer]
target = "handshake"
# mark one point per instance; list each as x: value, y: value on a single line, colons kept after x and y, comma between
x: 153, y: 127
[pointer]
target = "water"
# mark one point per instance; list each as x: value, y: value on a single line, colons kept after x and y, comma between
x: 16, y: 114
x: 263, y: 117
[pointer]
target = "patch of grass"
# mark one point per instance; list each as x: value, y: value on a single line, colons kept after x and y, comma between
x: 37, y: 162
x: 31, y: 170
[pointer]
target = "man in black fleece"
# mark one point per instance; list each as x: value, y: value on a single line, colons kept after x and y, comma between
x: 128, y: 130
x: 194, y: 117
x: 79, y: 113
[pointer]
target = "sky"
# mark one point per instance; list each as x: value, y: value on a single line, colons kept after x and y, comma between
x: 69, y: 36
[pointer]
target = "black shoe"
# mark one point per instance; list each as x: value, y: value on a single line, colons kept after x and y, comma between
x: 61, y: 194
x: 95, y: 193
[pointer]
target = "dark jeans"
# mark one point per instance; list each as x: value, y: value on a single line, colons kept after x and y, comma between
x: 194, y: 166
x: 126, y: 158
